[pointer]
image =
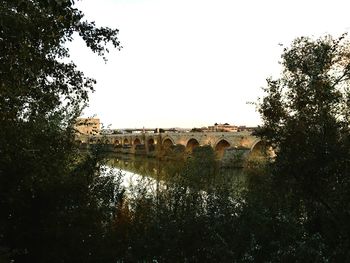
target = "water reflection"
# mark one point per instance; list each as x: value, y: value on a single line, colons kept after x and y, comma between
x: 162, y: 169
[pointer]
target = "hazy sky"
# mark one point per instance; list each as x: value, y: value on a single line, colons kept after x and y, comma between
x: 191, y: 63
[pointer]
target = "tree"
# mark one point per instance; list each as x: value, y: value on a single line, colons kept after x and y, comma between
x: 306, y: 119
x: 52, y: 208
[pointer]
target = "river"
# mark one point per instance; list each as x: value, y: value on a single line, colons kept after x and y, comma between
x: 134, y: 167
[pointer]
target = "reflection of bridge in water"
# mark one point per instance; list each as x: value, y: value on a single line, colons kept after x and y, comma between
x: 159, y: 169
x: 227, y: 145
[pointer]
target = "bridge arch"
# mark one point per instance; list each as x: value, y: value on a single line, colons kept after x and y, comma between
x: 137, y: 141
x: 150, y: 144
x: 220, y: 147
x: 126, y: 141
x: 168, y: 142
x: 258, y: 149
x: 191, y: 144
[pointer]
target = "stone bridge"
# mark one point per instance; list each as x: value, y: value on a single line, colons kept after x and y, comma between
x: 225, y: 144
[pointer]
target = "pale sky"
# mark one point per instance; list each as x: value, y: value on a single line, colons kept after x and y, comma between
x: 191, y: 63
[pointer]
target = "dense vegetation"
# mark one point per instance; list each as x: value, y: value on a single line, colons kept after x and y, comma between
x: 306, y: 119
x: 56, y: 207
x: 51, y: 206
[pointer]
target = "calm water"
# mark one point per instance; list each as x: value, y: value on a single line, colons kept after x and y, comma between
x: 160, y: 169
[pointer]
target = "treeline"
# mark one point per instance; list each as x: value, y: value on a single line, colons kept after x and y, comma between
x: 57, y: 205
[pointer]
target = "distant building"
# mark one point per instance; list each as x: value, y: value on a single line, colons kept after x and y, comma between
x: 106, y: 131
x: 222, y: 128
x: 88, y: 126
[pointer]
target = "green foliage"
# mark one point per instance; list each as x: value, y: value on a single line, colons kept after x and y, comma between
x: 306, y: 119
x: 201, y: 167
x: 176, y: 220
x: 53, y: 206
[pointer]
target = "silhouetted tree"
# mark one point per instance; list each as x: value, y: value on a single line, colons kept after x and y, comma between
x: 306, y: 120
x: 53, y: 207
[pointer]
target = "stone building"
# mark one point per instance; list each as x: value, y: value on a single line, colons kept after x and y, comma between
x: 222, y: 128
x: 88, y: 126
